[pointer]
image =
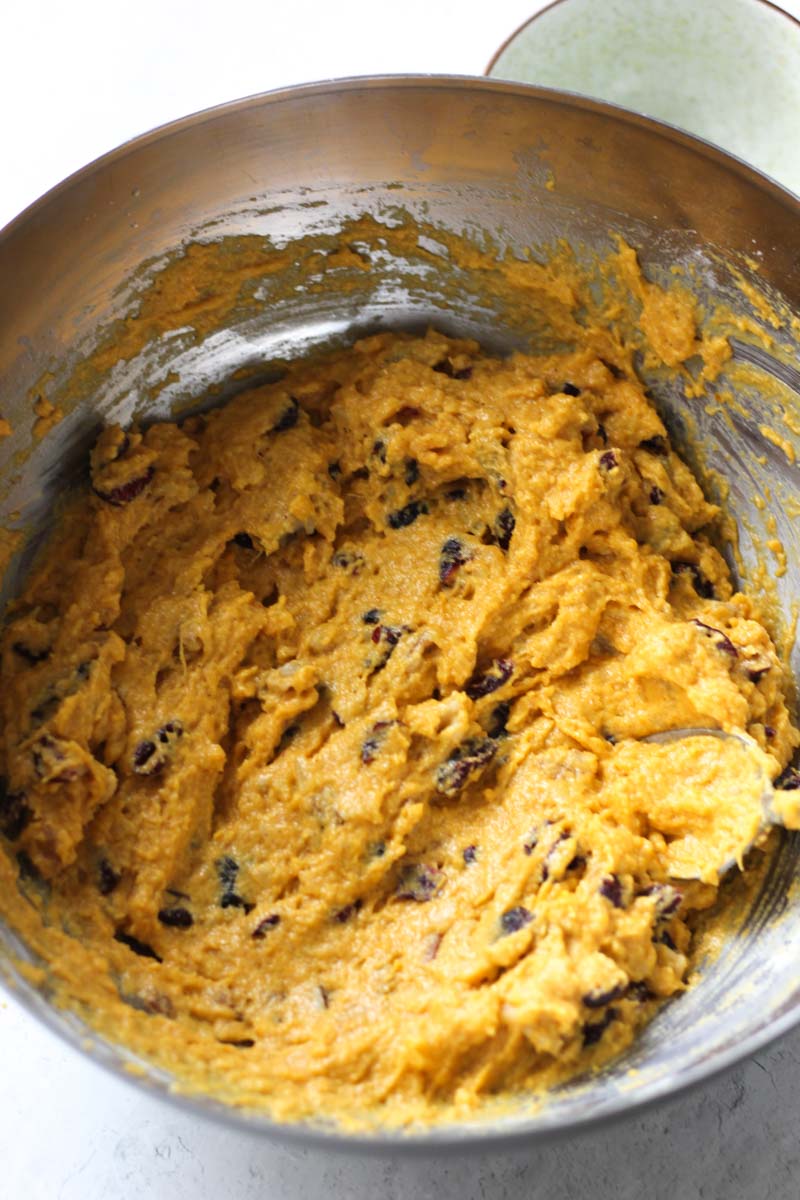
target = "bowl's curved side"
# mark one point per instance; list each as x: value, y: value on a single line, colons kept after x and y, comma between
x: 524, y: 166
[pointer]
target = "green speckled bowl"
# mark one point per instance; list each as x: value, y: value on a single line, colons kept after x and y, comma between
x: 727, y: 70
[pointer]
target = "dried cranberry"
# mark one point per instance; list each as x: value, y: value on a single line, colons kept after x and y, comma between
x: 668, y: 899
x: 504, y: 527
x: 176, y: 918
x: 151, y: 756
x: 515, y: 918
x: 594, y: 1030
x: 265, y: 924
x: 108, y: 878
x: 452, y: 556
x: 419, y: 882
x: 788, y: 780
x: 407, y: 515
x: 133, y: 943
x: 702, y: 586
x: 288, y: 418
x: 608, y: 460
x: 601, y: 999
x: 655, y: 445
x: 127, y: 491
x: 349, y: 910
x: 488, y: 682
x: 372, y: 744
x: 720, y: 640
x: 611, y: 889
x: 466, y: 762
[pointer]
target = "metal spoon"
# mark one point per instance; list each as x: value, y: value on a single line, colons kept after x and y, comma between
x: 771, y: 814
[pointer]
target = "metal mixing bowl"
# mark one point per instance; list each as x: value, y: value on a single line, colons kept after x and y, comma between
x: 460, y: 153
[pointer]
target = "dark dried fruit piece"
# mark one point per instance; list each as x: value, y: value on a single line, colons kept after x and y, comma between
x: 108, y: 878
x: 445, y: 367
x: 349, y: 910
x: 419, y: 882
x: 702, y: 586
x: 597, y: 999
x: 133, y: 943
x: 452, y: 556
x: 227, y: 872
x: 498, y: 724
x: 656, y: 494
x: 720, y: 640
x: 666, y: 939
x: 265, y: 925
x: 756, y: 665
x: 176, y: 918
x: 372, y: 616
x: 127, y: 491
x: 244, y: 540
x: 464, y: 764
x: 639, y: 991
x: 611, y: 889
x: 288, y: 418
x: 608, y: 460
x: 15, y: 815
x: 51, y: 761
x: 504, y: 527
x: 788, y: 780
x: 594, y: 1030
x: 655, y: 445
x: 407, y: 515
x: 470, y: 854
x: 150, y: 757
x: 411, y: 474
x: 668, y: 899
x: 515, y: 918
x: 372, y: 744
x: 350, y: 560
x: 379, y: 449
x: 569, y: 389
x: 489, y: 681
x: 31, y: 656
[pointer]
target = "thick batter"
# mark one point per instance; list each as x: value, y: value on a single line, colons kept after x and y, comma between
x: 320, y: 730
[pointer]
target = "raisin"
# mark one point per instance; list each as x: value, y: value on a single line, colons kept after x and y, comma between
x: 608, y: 460
x: 788, y: 780
x: 288, y: 418
x: 769, y: 731
x: 419, y: 882
x: 499, y: 722
x: 388, y: 636
x: 411, y: 474
x: 576, y: 863
x: 452, y: 556
x: 407, y: 515
x: 371, y: 745
x: 141, y: 756
x: 515, y: 918
x: 234, y: 900
x: 176, y: 918
x: 594, y: 1030
x: 372, y: 616
x: 265, y: 924
x: 720, y: 640
x: 655, y: 445
x: 531, y: 842
x: 701, y: 585
x: 31, y: 656
x: 668, y: 899
x: 244, y: 540
x: 151, y: 756
x: 445, y: 367
x: 133, y: 943
x: 379, y: 449
x: 569, y: 389
x: 344, y: 914
x: 596, y: 999
x: 470, y: 854
x: 51, y: 761
x: 127, y: 491
x: 466, y: 761
x: 611, y: 889
x: 227, y: 872
x: 504, y: 527
x: 15, y: 815
x: 488, y: 682
x: 108, y: 878
x: 656, y: 494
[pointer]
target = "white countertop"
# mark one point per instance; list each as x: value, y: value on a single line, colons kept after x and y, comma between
x: 76, y: 80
